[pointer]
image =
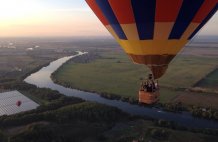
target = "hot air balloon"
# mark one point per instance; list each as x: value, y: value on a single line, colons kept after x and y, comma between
x: 152, y: 32
x: 18, y: 103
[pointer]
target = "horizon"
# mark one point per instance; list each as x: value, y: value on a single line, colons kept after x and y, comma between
x: 53, y: 18
x: 94, y: 36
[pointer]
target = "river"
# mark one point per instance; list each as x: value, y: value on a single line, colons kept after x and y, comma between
x: 42, y: 79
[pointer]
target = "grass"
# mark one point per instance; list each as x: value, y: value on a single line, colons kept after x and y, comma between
x: 198, y: 99
x: 167, y: 94
x: 116, y: 74
x: 104, y: 75
x: 187, y: 70
x: 210, y: 81
x: 34, y: 98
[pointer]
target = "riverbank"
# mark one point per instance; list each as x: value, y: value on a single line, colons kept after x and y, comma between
x: 177, y: 107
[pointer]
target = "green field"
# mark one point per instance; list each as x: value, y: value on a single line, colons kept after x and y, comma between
x: 104, y: 75
x: 185, y: 71
x: 115, y: 73
x: 210, y: 81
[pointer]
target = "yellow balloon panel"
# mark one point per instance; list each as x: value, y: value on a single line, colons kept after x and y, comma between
x: 152, y: 47
x: 148, y: 47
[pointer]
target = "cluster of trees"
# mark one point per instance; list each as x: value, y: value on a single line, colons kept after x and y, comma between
x: 174, y: 126
x: 36, y: 133
x: 56, y: 102
x: 196, y: 111
x: 207, y: 113
x: 173, y: 107
x: 89, y: 112
x: 17, y: 86
x: 59, y: 112
x: 2, y: 137
x: 69, y: 123
x: 110, y: 96
x: 53, y: 101
x: 70, y: 132
x: 44, y: 94
x: 35, y: 69
x: 159, y: 133
x: 169, y: 124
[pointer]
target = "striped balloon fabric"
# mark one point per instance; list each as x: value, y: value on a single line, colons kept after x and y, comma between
x: 152, y: 32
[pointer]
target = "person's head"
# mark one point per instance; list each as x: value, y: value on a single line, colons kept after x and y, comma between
x: 150, y: 76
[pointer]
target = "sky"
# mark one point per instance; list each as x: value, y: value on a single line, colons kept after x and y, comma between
x: 20, y: 18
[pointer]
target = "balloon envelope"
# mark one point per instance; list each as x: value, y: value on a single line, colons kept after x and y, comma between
x: 152, y: 32
x: 18, y: 103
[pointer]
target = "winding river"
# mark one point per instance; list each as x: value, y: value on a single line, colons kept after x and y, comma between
x: 42, y: 79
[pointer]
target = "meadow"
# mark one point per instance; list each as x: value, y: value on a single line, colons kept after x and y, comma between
x: 210, y: 81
